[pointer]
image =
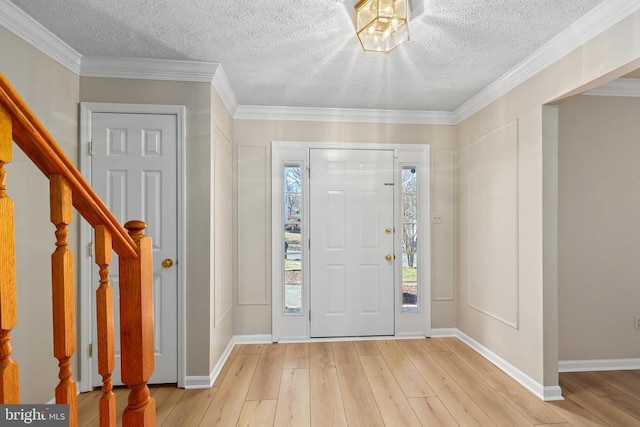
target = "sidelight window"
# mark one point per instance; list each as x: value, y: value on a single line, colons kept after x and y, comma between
x: 293, y: 231
x: 409, y: 218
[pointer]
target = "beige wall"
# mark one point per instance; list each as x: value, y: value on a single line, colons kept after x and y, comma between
x: 253, y: 207
x: 599, y: 237
x: 500, y: 259
x: 51, y: 91
x: 199, y: 173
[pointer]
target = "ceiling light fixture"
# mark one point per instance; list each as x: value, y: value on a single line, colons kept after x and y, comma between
x: 382, y: 25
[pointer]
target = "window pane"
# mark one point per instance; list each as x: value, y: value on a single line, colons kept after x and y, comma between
x: 409, y: 239
x: 292, y: 228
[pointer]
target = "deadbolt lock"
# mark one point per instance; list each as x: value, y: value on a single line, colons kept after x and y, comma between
x: 388, y: 257
x: 388, y: 230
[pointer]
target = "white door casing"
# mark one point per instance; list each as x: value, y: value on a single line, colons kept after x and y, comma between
x: 134, y: 169
x: 352, y: 262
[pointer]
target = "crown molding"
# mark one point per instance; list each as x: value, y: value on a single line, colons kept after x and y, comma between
x: 618, y: 87
x: 255, y: 112
x: 595, y: 22
x: 28, y: 29
x: 221, y: 84
x: 148, y: 69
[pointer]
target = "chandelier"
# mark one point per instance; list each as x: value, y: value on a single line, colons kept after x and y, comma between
x: 382, y: 24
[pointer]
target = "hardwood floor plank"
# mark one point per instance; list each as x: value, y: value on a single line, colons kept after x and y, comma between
x: 359, y: 404
x: 431, y: 412
x: 321, y: 355
x: 392, y: 403
x: 257, y: 413
x: 590, y: 382
x: 463, y: 409
x: 250, y: 348
x: 433, y: 344
x: 296, y: 356
x: 122, y: 395
x: 327, y: 408
x: 190, y: 408
x: 410, y: 380
x: 266, y: 379
x: 575, y: 414
x: 294, y: 406
x: 597, y: 406
x: 629, y: 404
x: 624, y: 381
x: 227, y: 404
x: 497, y: 408
x: 366, y: 348
x: 88, y: 407
x: 166, y: 397
x: 225, y: 367
x: 533, y: 409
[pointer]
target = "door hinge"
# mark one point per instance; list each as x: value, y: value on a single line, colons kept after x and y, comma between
x: 309, y: 315
x: 91, y: 350
x: 309, y: 244
x: 90, y: 249
x: 388, y: 183
x: 309, y: 171
x: 90, y: 148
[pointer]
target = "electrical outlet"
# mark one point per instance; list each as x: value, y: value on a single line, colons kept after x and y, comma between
x: 436, y: 218
x: 636, y: 323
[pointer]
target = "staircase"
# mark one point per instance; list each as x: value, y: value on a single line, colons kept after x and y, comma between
x: 68, y: 191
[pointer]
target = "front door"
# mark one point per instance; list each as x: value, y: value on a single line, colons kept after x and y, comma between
x: 351, y: 242
x: 134, y: 170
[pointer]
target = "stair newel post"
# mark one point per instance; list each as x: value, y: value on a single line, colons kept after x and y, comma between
x: 105, y: 327
x: 64, y: 318
x: 8, y: 304
x: 136, y: 328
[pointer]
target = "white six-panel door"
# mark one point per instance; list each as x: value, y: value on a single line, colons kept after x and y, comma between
x: 351, y: 223
x: 134, y: 171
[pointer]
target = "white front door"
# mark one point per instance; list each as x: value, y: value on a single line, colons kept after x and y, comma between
x: 351, y: 231
x: 134, y: 170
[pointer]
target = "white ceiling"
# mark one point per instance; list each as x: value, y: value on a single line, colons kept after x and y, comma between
x: 304, y: 53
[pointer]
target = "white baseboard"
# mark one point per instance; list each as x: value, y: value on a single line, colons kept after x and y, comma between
x: 252, y: 339
x: 444, y: 332
x: 598, y: 365
x: 206, y: 381
x: 545, y: 393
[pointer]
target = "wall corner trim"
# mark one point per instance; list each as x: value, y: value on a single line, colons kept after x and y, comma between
x: 221, y: 84
x: 31, y: 31
x: 598, y: 365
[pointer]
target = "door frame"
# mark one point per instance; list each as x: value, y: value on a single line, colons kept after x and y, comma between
x: 85, y: 293
x: 296, y: 327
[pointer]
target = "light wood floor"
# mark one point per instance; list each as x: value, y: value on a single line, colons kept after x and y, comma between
x: 434, y: 382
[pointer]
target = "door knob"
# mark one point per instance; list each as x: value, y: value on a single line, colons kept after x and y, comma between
x: 388, y: 230
x: 388, y: 257
x: 167, y: 262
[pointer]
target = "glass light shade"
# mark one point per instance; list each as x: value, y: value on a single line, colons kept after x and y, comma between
x: 382, y: 24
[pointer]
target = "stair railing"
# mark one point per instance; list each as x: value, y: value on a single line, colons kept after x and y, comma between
x: 68, y: 190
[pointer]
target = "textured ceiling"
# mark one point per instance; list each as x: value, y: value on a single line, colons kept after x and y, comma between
x: 304, y: 53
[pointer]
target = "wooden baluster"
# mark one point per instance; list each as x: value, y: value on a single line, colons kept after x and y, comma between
x: 8, y: 308
x: 104, y: 308
x: 136, y: 328
x: 64, y: 319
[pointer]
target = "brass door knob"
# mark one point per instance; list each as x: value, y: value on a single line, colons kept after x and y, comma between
x: 388, y: 230
x: 167, y: 262
x: 388, y: 257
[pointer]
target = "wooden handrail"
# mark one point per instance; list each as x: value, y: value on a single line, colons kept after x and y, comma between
x: 68, y: 189
x: 34, y: 140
